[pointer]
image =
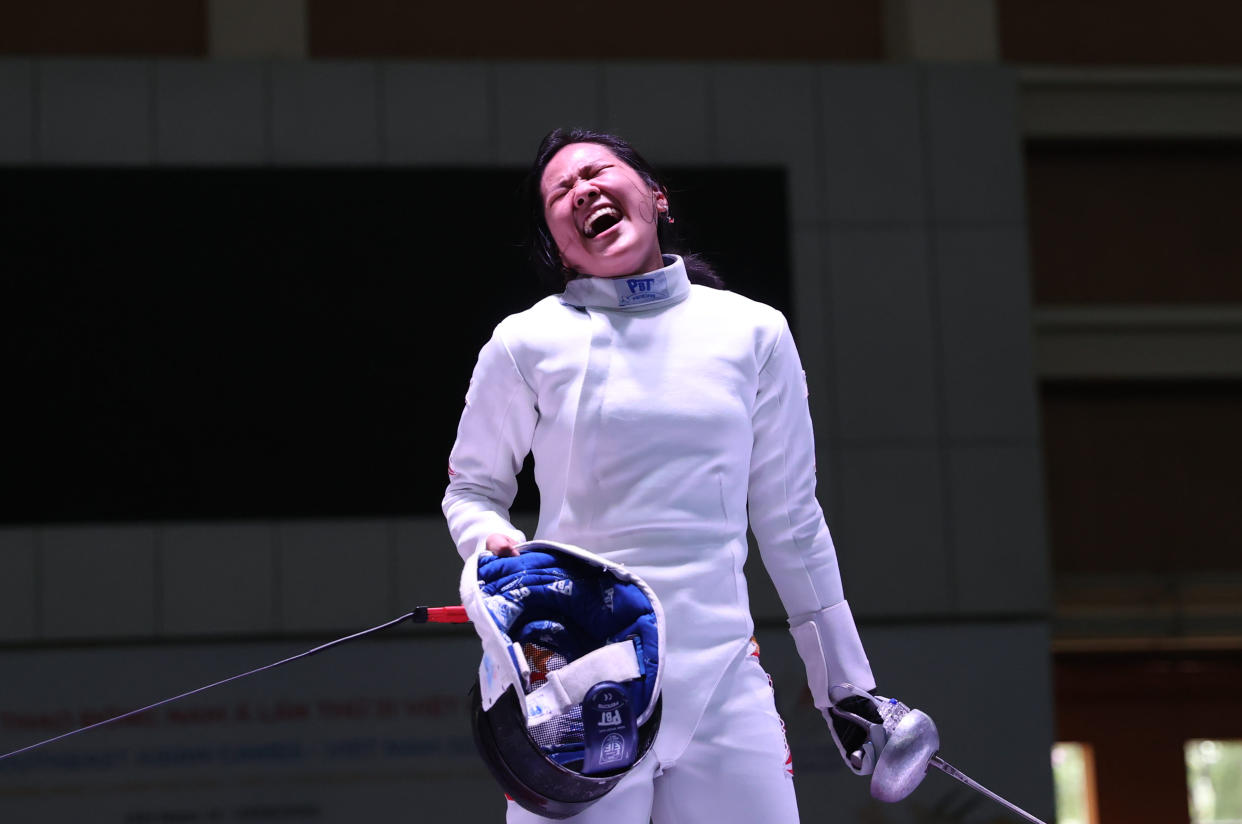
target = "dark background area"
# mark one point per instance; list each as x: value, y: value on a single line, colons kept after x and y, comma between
x: 1135, y: 222
x: 278, y: 343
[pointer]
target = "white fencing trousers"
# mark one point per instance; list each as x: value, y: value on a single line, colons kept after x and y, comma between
x: 736, y: 769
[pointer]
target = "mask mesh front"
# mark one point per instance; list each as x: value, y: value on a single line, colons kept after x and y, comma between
x: 562, y: 737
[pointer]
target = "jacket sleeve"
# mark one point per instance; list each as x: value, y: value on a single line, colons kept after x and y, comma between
x: 789, y: 525
x: 493, y: 439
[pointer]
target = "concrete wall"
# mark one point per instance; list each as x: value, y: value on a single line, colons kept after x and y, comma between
x: 910, y: 274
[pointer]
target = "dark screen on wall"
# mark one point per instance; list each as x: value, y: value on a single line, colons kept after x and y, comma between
x: 246, y: 343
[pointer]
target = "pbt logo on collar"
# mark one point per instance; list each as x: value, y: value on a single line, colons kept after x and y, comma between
x: 646, y: 289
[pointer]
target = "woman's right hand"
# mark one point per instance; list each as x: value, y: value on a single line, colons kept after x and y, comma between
x: 501, y: 545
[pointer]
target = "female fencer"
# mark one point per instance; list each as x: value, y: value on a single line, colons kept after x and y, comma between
x: 666, y: 415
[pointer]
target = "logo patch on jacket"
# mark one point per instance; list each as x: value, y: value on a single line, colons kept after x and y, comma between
x: 645, y: 289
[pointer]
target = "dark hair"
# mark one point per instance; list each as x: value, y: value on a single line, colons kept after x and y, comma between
x: 544, y: 254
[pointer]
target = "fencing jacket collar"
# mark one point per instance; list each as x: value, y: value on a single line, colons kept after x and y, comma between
x: 663, y: 287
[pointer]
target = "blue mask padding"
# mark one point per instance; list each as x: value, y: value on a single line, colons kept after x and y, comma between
x: 575, y: 605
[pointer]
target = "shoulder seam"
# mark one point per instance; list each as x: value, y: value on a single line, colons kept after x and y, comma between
x: 500, y: 338
x: 780, y: 334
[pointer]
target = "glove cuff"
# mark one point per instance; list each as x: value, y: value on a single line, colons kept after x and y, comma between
x: 831, y: 650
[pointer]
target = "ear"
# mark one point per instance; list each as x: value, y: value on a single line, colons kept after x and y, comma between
x: 661, y: 200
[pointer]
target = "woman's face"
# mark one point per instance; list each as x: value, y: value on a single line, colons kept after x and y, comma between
x: 602, y: 214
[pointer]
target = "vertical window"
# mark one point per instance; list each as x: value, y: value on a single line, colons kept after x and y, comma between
x: 1073, y: 776
x: 1214, y: 781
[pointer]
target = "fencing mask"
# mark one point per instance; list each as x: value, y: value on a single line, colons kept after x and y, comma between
x: 568, y: 696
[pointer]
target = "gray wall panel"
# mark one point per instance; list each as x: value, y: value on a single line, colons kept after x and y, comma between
x: 19, y: 584
x: 998, y: 530
x: 890, y: 532
x: 872, y: 144
x: 427, y: 565
x: 971, y: 118
x: 218, y: 578
x: 678, y: 92
x: 769, y: 115
x: 334, y: 575
x: 883, y: 333
x: 534, y: 98
x: 95, y: 111
x: 436, y: 113
x: 99, y: 582
x: 985, y: 317
x: 16, y: 111
x: 211, y: 113
x: 325, y: 113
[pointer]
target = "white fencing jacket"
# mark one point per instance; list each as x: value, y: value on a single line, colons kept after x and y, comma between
x: 658, y: 413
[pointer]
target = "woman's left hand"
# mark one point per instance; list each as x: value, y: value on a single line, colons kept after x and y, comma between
x: 501, y: 545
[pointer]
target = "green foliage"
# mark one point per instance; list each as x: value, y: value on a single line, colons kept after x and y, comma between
x: 1214, y: 781
x: 1070, y: 780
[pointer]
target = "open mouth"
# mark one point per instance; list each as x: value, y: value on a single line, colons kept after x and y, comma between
x: 600, y: 221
